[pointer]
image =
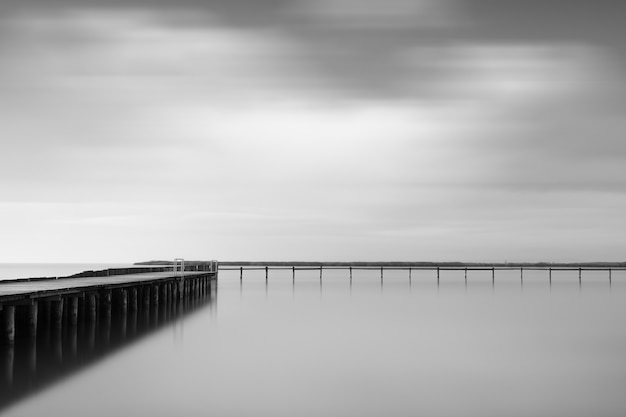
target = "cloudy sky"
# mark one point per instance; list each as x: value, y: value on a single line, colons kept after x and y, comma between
x: 472, y: 130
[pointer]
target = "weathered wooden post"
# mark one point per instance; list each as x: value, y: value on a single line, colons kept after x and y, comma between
x: 123, y: 312
x: 437, y: 276
x: 72, y: 325
x: 381, y: 274
x: 610, y: 277
x: 266, y: 274
x: 57, y: 328
x: 154, y: 291
x: 241, y: 274
x: 550, y: 276
x: 31, y: 314
x: 580, y: 279
x: 8, y: 324
x: 133, y: 307
x: 145, y: 292
x: 91, y: 311
x: 493, y: 276
x: 105, y: 314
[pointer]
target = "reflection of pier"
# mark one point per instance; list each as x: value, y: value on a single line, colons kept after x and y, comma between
x: 48, y: 328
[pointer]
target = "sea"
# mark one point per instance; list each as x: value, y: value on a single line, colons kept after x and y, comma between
x: 398, y: 346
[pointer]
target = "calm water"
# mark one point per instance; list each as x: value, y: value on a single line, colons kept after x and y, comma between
x: 400, y: 349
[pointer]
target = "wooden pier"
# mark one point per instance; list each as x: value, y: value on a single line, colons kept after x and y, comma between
x: 51, y: 326
x: 439, y: 267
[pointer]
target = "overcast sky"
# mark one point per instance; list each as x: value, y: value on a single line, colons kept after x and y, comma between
x: 478, y: 130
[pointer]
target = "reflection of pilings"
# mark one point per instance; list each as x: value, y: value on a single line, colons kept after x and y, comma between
x: 41, y: 338
x: 9, y: 360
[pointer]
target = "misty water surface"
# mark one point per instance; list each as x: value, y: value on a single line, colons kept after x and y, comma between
x: 398, y: 349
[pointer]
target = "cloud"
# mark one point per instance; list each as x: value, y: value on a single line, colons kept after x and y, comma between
x: 211, y: 130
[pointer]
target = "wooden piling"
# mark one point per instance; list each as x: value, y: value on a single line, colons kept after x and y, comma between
x: 91, y: 311
x: 32, y: 313
x: 105, y: 314
x: 8, y: 325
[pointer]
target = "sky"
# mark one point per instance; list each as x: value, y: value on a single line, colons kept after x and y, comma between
x: 408, y: 130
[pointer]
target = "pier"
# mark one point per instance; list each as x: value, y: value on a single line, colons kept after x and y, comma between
x: 439, y: 267
x: 52, y: 326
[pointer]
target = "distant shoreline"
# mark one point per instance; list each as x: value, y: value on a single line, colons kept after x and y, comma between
x: 404, y: 264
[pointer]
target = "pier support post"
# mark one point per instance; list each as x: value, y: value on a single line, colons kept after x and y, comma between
x: 155, y: 303
x: 123, y: 312
x: 133, y: 308
x: 56, y: 307
x: 91, y: 311
x: 8, y: 325
x: 105, y: 310
x: 145, y: 305
x: 72, y: 325
x: 550, y: 277
x: 32, y: 311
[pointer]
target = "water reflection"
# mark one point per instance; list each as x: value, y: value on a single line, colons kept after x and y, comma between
x: 57, y: 336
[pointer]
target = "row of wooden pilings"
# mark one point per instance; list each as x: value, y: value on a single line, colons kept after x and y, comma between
x: 45, y: 337
x: 321, y: 268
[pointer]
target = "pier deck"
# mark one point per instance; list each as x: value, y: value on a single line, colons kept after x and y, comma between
x: 15, y: 290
